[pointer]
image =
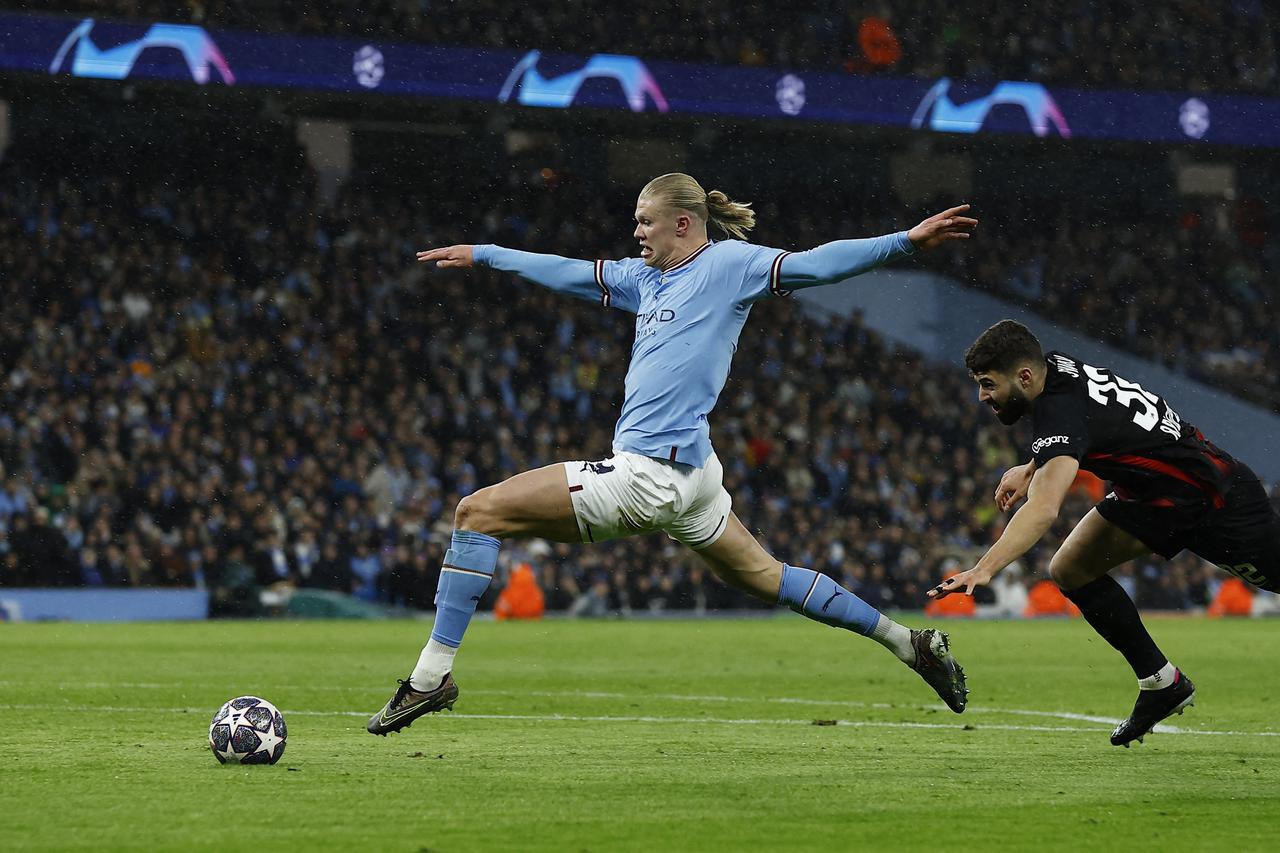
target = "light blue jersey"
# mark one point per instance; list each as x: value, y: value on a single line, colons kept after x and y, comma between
x: 688, y: 319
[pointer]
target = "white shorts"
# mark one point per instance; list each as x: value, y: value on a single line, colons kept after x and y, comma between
x: 628, y: 494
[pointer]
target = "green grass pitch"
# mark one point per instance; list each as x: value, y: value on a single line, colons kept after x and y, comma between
x: 683, y: 735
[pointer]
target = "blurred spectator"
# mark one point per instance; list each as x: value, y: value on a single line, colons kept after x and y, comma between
x: 233, y: 591
x: 172, y: 568
x: 11, y: 572
x: 13, y: 500
x: 366, y: 568
x: 332, y: 571
x: 594, y: 601
x: 521, y: 598
x: 43, y: 557
x: 90, y: 571
x: 413, y: 584
x: 273, y: 564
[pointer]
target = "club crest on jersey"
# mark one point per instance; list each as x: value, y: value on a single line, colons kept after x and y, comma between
x: 1048, y: 441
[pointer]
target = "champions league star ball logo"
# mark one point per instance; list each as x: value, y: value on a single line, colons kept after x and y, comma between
x: 1193, y: 116
x: 368, y: 66
x: 116, y: 63
x: 790, y: 94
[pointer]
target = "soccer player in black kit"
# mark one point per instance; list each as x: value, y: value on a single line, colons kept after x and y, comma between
x: 1171, y: 489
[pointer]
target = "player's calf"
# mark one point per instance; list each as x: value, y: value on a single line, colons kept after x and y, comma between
x: 927, y: 652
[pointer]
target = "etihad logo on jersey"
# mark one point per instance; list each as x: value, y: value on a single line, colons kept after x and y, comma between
x: 116, y: 63
x: 650, y: 322
x: 938, y: 112
x: 1048, y: 441
x: 560, y: 92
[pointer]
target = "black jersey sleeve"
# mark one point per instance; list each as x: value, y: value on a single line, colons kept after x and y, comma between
x: 1059, y: 427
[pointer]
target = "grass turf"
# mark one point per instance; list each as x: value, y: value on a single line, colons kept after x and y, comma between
x: 631, y: 735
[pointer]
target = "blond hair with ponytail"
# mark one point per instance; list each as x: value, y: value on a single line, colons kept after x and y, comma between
x: 681, y: 192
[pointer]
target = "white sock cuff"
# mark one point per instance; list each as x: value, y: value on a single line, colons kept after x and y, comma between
x: 435, y: 662
x: 894, y: 637
x: 1160, y: 680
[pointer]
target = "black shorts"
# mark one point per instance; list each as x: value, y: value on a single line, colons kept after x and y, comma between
x: 1242, y: 537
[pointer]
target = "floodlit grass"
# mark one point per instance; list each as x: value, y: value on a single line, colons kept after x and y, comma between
x: 692, y: 735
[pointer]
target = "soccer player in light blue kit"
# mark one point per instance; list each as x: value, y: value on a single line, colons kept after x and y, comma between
x: 691, y: 297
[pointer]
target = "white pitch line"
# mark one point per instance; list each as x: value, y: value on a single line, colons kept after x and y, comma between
x: 567, y: 718
x: 599, y: 694
x: 674, y: 697
x: 576, y: 718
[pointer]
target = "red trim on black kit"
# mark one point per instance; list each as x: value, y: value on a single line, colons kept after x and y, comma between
x: 1132, y: 461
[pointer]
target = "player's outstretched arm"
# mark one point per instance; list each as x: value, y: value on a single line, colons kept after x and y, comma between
x: 564, y: 275
x: 842, y: 259
x: 1048, y: 489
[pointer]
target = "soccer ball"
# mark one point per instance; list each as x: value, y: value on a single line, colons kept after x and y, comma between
x: 247, y: 730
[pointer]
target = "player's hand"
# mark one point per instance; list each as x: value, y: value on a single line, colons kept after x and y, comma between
x: 965, y: 582
x: 941, y: 227
x: 1013, y: 486
x: 449, y: 256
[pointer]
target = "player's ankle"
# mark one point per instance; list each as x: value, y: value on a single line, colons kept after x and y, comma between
x: 894, y: 637
x: 435, y: 662
x: 1162, y: 678
x: 426, y: 683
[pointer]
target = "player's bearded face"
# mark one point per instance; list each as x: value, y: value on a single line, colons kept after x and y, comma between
x: 1004, y: 396
x: 1015, y: 405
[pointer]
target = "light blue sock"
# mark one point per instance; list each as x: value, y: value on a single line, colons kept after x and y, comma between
x: 820, y: 598
x: 468, y: 568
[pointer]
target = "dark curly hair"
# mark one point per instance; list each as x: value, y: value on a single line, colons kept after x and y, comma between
x: 1003, y: 347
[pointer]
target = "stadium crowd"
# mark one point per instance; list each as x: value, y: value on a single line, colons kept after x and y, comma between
x: 1184, y: 44
x: 1191, y: 288
x: 236, y: 384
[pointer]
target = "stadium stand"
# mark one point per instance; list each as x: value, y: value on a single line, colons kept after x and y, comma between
x: 216, y: 377
x: 1186, y: 287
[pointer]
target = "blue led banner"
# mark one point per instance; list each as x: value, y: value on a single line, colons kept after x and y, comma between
x: 210, y: 57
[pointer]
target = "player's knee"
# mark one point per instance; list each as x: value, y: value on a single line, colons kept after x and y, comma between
x: 1064, y: 573
x: 473, y: 513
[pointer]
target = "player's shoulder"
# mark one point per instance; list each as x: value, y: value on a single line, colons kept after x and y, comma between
x: 1063, y: 372
x: 739, y: 250
x: 749, y: 260
x: 1061, y: 362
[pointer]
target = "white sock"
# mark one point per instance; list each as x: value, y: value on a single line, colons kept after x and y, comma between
x: 894, y: 637
x: 435, y: 662
x: 1160, y: 680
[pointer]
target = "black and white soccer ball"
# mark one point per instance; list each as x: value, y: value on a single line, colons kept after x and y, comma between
x: 247, y: 730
